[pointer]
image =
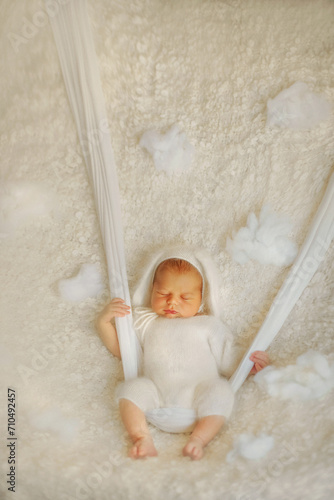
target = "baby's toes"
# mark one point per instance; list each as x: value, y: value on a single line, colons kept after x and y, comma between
x: 197, y: 453
x: 193, y: 451
x: 187, y: 450
x: 133, y: 453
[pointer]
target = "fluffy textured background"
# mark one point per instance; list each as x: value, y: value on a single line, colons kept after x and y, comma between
x: 209, y: 66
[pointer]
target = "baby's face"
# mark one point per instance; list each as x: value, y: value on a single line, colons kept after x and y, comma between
x: 176, y: 295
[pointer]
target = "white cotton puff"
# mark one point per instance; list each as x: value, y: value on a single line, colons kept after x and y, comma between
x: 310, y: 378
x: 21, y: 202
x: 264, y: 240
x: 53, y: 420
x: 250, y: 447
x: 171, y: 152
x: 87, y: 283
x: 297, y: 108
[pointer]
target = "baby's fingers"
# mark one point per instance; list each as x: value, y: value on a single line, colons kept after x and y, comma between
x: 256, y: 368
x: 120, y: 312
x: 115, y: 308
x: 259, y: 357
x: 118, y: 304
x: 119, y: 309
x: 260, y: 360
x: 117, y: 301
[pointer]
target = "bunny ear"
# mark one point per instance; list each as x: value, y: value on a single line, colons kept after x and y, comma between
x: 210, y: 271
x: 142, y: 293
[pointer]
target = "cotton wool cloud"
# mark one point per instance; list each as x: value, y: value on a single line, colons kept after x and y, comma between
x: 250, y: 447
x: 312, y: 377
x: 172, y: 152
x: 21, y: 202
x: 87, y: 283
x: 53, y: 420
x: 264, y: 239
x: 297, y: 108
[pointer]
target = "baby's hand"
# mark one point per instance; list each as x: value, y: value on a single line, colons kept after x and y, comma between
x: 260, y: 360
x: 115, y: 308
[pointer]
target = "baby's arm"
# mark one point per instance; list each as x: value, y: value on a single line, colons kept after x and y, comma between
x: 105, y: 328
x: 260, y: 360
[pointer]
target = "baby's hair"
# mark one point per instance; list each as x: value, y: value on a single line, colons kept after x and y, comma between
x: 180, y: 265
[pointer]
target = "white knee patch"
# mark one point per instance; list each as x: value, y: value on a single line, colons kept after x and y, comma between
x: 140, y: 391
x: 214, y: 397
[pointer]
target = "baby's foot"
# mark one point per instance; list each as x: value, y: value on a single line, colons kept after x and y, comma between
x: 143, y: 447
x: 194, y: 448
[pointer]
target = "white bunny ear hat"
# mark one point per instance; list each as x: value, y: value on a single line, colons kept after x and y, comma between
x: 200, y: 259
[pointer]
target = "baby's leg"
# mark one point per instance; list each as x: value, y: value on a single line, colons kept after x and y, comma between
x: 213, y: 402
x: 136, y: 396
x: 205, y: 430
x: 135, y: 423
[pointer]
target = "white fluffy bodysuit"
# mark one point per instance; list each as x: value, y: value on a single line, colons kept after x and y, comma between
x: 185, y: 360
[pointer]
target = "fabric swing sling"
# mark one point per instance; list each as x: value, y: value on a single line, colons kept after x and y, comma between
x: 74, y: 41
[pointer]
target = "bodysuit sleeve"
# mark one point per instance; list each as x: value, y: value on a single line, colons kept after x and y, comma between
x: 142, y: 316
x: 225, y: 349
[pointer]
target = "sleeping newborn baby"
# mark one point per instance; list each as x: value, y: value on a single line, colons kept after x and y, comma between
x: 188, y: 353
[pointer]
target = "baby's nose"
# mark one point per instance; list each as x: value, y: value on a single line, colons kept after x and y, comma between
x: 172, y: 300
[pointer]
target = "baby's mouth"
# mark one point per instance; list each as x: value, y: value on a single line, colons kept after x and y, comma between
x: 169, y: 311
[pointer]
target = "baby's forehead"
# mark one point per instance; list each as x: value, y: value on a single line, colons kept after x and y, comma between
x: 177, y: 267
x: 168, y: 277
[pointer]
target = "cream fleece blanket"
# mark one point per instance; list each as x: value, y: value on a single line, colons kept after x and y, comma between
x: 211, y: 67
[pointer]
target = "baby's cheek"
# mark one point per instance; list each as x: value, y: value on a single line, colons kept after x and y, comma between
x: 156, y: 302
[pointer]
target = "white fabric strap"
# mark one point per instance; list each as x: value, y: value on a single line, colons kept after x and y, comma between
x: 74, y: 41
x: 307, y: 262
